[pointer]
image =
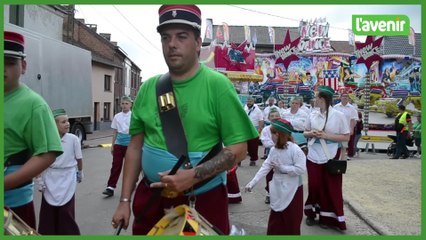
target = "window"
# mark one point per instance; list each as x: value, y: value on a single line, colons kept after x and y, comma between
x: 133, y: 81
x: 107, y: 111
x: 107, y: 83
x: 16, y: 15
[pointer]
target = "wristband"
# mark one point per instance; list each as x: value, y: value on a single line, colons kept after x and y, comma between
x: 125, y: 200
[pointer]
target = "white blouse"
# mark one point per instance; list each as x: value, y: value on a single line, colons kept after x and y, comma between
x: 336, y: 124
x: 288, y: 164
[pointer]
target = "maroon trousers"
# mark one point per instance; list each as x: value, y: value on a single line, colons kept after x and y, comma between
x: 325, y: 196
x: 234, y: 194
x: 351, y: 145
x: 212, y: 205
x: 253, y: 148
x: 58, y: 220
x: 288, y: 221
x: 117, y: 164
x: 26, y: 213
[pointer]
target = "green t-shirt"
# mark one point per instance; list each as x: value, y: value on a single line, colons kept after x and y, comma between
x: 28, y: 124
x: 209, y: 108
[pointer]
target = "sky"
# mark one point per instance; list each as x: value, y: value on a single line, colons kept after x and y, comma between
x: 133, y: 27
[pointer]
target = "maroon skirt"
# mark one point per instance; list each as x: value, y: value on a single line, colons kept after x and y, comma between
x: 325, y: 197
x: 287, y: 222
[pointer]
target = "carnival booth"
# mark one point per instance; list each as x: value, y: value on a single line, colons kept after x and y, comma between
x: 298, y: 66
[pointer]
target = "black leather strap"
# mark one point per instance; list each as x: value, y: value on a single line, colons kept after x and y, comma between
x: 213, y: 152
x: 19, y: 158
x: 171, y: 123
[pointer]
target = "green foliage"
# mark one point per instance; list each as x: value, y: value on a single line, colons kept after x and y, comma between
x: 416, y: 100
x: 373, y: 98
x: 389, y: 106
x: 391, y: 109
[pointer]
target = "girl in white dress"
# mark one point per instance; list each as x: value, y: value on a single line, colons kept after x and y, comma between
x: 285, y: 189
x: 325, y: 195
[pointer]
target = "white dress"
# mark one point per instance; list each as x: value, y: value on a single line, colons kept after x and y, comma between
x: 291, y: 164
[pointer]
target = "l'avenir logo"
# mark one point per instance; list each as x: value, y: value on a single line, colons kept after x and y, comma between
x: 381, y: 25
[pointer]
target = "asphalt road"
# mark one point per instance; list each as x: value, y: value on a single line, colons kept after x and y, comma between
x: 382, y: 196
x: 94, y: 212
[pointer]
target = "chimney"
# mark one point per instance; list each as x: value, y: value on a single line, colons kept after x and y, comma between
x: 80, y: 20
x: 107, y: 36
x: 93, y: 27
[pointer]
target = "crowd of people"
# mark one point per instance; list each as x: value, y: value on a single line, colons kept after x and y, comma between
x: 180, y: 137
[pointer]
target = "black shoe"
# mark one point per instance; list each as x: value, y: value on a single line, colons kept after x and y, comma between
x: 310, y: 221
x: 267, y: 200
x: 394, y: 157
x: 264, y: 157
x: 108, y: 192
x: 404, y: 157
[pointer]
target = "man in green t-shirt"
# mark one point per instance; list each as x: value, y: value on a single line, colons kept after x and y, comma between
x: 210, y: 112
x: 31, y: 140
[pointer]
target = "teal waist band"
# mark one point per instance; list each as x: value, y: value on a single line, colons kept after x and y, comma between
x: 326, y: 141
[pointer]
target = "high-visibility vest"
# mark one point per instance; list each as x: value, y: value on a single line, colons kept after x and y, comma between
x: 403, y: 121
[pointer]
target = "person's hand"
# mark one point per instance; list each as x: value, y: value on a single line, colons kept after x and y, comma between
x: 274, y: 165
x: 122, y: 213
x: 320, y: 134
x: 248, y: 187
x: 80, y: 176
x: 40, y: 184
x: 182, y: 180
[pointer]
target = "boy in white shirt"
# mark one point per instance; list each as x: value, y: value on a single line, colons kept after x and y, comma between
x: 120, y: 140
x: 58, y: 184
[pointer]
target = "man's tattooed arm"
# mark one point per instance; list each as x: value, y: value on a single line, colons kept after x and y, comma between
x: 221, y: 162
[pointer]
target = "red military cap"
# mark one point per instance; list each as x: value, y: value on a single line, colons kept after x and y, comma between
x: 183, y: 14
x: 13, y: 44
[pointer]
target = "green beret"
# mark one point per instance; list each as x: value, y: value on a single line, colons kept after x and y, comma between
x: 282, y: 125
x: 126, y: 98
x: 58, y: 112
x: 273, y: 110
x: 326, y: 89
x: 296, y: 98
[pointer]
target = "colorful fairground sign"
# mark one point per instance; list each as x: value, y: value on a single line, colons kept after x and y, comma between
x: 314, y: 36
